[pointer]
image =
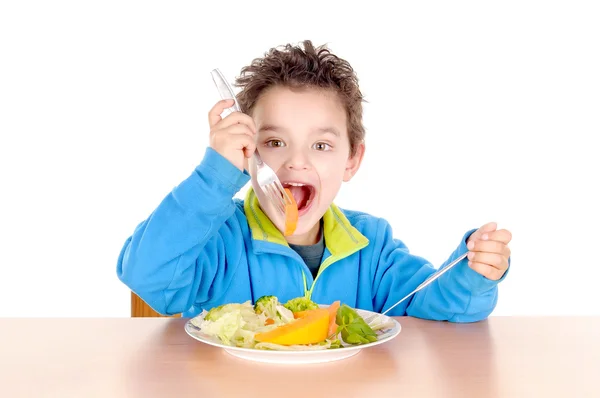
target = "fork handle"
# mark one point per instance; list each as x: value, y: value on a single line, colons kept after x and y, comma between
x: 259, y: 161
x: 431, y: 278
x: 224, y: 88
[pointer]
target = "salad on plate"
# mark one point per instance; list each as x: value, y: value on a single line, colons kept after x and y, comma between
x: 297, y: 325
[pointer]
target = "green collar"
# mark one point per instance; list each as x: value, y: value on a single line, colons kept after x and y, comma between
x: 341, y: 238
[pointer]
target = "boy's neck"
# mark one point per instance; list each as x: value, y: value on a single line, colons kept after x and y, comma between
x: 310, y: 238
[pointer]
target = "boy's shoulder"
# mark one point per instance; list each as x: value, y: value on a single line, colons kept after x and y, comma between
x: 357, y: 216
x: 376, y: 229
x: 363, y: 221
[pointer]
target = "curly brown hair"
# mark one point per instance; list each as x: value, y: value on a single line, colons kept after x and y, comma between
x: 305, y: 66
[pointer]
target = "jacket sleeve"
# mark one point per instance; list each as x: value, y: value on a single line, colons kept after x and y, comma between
x: 459, y: 295
x: 174, y: 257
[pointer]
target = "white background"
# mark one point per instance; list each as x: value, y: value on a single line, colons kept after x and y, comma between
x: 475, y: 113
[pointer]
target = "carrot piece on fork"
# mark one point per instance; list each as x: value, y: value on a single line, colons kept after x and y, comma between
x: 291, y: 215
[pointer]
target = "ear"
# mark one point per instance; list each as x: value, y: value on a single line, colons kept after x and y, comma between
x: 353, y: 163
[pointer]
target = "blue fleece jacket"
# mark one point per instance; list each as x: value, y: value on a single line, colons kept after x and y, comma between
x: 201, y: 247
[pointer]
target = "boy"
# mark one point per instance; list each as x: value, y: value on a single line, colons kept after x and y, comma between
x: 302, y: 111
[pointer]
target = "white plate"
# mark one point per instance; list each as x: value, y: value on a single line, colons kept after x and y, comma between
x: 298, y: 357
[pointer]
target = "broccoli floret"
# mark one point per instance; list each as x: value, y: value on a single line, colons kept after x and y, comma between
x: 266, y: 304
x: 300, y: 304
x: 271, y: 308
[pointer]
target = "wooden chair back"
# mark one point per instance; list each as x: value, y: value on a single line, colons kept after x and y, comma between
x: 139, y: 309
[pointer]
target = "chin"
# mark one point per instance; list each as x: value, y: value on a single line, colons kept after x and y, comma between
x: 306, y: 224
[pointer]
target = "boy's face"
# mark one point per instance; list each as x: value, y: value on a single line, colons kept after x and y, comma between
x: 302, y: 135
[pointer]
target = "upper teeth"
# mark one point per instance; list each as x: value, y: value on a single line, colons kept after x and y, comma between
x: 295, y: 184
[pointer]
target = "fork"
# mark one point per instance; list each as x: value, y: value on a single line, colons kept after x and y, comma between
x: 427, y: 281
x: 265, y: 176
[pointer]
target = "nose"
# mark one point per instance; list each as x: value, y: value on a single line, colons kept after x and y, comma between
x: 297, y: 160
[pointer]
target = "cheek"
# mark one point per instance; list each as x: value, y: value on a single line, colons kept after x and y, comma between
x: 331, y: 167
x: 331, y: 177
x: 274, y: 158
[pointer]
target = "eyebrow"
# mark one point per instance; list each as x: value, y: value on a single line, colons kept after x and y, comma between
x: 321, y: 130
x: 271, y: 127
x: 331, y: 130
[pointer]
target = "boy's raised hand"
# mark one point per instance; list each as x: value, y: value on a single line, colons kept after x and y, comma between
x: 489, y: 251
x: 233, y: 135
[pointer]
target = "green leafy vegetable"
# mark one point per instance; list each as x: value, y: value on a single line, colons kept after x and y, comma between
x: 233, y: 324
x: 217, y: 312
x: 334, y: 343
x: 353, y: 328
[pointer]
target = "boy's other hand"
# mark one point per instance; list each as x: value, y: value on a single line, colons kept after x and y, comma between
x: 233, y: 135
x: 489, y: 251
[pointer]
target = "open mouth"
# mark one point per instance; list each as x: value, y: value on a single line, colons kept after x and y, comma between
x: 303, y: 194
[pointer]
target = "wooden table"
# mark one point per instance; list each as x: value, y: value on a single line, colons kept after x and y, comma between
x: 154, y: 357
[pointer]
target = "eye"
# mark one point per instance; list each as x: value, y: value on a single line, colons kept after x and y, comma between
x: 322, y: 146
x: 275, y: 143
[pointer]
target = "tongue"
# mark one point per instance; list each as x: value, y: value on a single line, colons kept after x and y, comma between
x: 300, y: 195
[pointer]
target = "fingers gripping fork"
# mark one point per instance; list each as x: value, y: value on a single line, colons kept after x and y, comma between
x: 265, y: 176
